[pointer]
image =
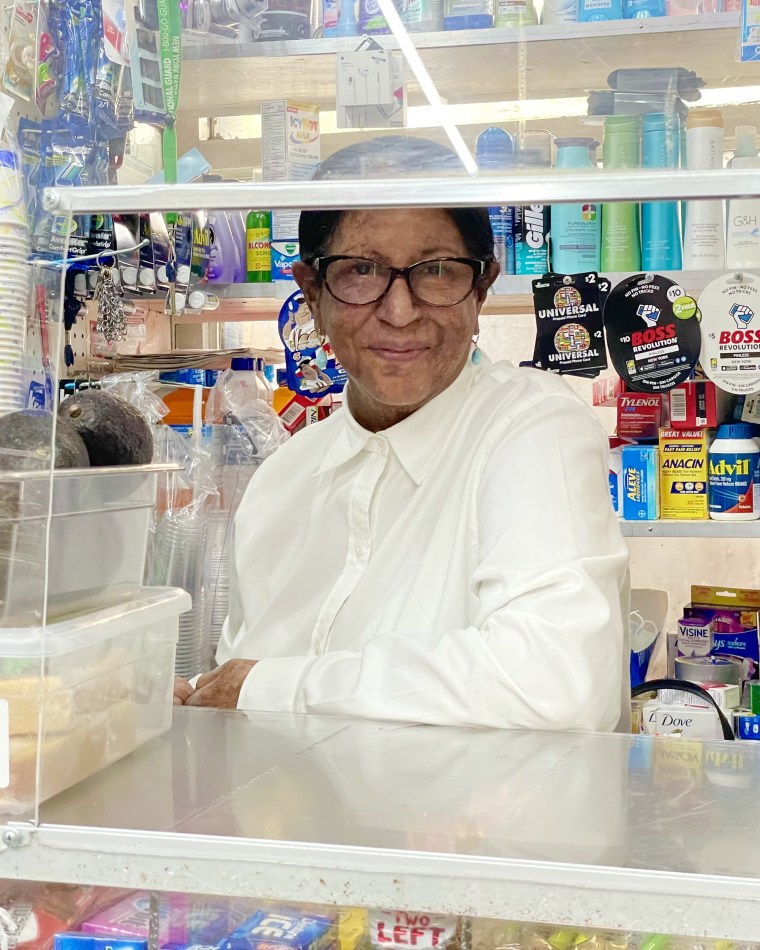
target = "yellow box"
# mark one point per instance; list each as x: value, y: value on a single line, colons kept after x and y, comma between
x: 683, y: 474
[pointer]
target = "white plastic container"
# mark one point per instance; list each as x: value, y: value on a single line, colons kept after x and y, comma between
x: 704, y: 245
x: 98, y: 531
x: 100, y: 683
x: 743, y: 224
x: 734, y: 474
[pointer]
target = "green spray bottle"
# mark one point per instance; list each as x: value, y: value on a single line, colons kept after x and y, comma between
x: 258, y: 240
x: 621, y: 233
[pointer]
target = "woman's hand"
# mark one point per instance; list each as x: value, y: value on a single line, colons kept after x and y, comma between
x: 182, y: 691
x: 221, y: 687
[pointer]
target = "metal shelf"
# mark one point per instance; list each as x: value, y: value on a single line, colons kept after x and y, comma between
x: 450, y: 192
x: 690, y: 529
x: 569, y: 829
x: 471, y: 66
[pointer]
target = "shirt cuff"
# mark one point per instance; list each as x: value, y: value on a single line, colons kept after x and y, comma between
x: 272, y: 684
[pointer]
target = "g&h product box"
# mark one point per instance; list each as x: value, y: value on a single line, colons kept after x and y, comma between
x: 641, y: 501
x: 640, y: 416
x: 290, y: 151
x: 683, y: 473
x: 699, y: 404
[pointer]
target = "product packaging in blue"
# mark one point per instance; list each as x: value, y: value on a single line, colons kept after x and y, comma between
x: 88, y: 942
x: 312, y: 368
x: 282, y: 930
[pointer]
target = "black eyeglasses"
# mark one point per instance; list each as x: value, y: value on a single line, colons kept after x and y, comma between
x: 439, y: 283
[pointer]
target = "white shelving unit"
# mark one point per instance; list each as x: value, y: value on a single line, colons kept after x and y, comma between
x: 690, y: 529
x: 574, y: 830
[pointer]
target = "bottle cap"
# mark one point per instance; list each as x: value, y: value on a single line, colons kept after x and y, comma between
x: 494, y: 148
x: 735, y: 430
x: 704, y: 119
x: 746, y: 141
x: 245, y: 363
x: 575, y: 142
x: 661, y: 121
x: 622, y: 124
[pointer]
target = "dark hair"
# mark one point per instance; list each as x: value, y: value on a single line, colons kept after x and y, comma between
x: 385, y: 157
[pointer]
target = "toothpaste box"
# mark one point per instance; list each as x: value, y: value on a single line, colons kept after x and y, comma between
x: 726, y: 695
x: 641, y: 501
x: 747, y: 725
x: 699, y: 404
x: 683, y: 473
x: 290, y: 151
x: 640, y: 416
x: 282, y: 929
x: 664, y: 719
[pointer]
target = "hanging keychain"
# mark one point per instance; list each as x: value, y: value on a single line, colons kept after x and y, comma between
x: 111, y: 321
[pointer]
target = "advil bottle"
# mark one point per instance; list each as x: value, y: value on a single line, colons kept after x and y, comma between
x: 734, y: 475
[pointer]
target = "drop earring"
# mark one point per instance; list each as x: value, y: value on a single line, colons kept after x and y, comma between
x: 475, y: 355
x: 320, y: 356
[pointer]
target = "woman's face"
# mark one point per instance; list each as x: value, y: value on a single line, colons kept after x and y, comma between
x: 398, y: 352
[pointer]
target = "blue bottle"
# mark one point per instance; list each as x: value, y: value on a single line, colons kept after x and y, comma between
x: 576, y: 229
x: 494, y: 151
x: 660, y: 220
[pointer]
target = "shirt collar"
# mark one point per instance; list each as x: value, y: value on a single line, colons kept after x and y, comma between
x: 414, y: 440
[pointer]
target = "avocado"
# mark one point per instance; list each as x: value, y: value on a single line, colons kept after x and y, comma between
x: 114, y: 431
x: 25, y: 442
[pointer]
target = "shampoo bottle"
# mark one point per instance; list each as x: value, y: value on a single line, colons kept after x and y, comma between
x: 621, y: 238
x: 660, y: 223
x: 704, y: 231
x: 224, y: 260
x: 743, y: 226
x: 514, y: 13
x: 576, y: 233
x: 467, y: 14
x: 494, y: 151
x: 533, y: 150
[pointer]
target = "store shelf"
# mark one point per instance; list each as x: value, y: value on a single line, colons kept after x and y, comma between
x: 472, y: 65
x: 690, y: 529
x: 431, y: 192
x: 593, y: 830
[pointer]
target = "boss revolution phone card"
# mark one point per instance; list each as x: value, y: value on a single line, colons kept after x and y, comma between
x: 653, y: 332
x: 569, y: 327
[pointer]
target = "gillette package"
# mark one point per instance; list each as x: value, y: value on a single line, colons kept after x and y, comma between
x: 282, y: 929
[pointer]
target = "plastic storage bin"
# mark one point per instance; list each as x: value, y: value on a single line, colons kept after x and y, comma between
x: 98, y: 532
x: 97, y: 684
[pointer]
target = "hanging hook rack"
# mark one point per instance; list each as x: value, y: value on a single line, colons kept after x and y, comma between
x: 95, y: 257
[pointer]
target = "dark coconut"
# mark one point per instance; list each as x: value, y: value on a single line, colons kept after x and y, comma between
x: 25, y: 439
x: 114, y: 432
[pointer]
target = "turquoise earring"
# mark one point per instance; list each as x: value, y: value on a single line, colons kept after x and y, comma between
x: 320, y: 357
x: 475, y: 356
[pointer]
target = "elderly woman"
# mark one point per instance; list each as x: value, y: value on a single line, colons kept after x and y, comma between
x: 443, y: 549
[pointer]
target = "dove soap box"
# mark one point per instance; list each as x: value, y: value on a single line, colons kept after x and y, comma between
x: 683, y: 473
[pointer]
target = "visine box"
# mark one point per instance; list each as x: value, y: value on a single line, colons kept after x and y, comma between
x: 640, y: 483
x: 695, y: 637
x: 290, y: 151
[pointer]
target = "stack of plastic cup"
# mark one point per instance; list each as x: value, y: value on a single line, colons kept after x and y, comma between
x: 14, y: 285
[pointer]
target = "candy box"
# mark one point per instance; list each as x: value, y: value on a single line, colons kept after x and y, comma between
x: 282, y: 929
x: 88, y: 942
x: 182, y: 919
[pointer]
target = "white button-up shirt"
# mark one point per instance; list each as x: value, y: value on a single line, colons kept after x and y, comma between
x: 462, y: 567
